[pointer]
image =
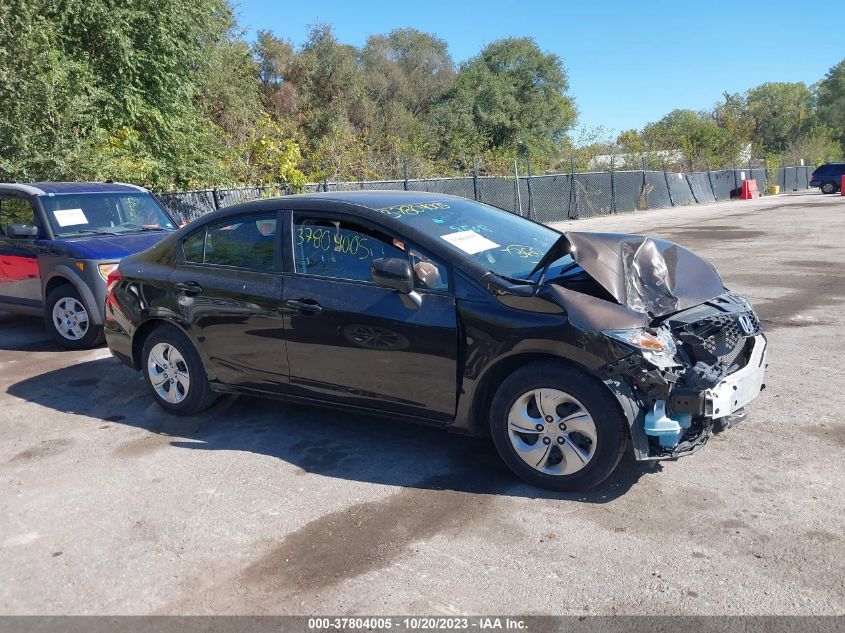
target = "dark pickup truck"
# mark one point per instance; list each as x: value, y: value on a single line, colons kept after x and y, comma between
x: 60, y: 241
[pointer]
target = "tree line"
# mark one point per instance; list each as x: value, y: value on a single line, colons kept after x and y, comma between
x: 781, y: 123
x: 170, y: 94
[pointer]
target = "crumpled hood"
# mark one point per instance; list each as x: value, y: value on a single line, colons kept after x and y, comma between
x: 646, y: 274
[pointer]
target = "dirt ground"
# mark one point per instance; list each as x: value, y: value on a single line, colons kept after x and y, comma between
x: 110, y: 506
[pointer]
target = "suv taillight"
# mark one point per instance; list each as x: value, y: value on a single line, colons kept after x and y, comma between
x: 114, y: 277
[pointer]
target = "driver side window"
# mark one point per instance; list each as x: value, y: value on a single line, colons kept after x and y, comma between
x: 15, y: 211
x: 344, y: 250
x: 339, y: 249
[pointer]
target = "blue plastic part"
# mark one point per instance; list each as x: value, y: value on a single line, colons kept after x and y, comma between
x: 668, y: 431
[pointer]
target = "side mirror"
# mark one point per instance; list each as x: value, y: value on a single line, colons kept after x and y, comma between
x: 392, y: 272
x: 21, y: 231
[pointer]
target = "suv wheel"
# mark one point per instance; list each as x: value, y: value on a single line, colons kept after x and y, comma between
x: 69, y: 320
x: 557, y: 427
x: 174, y: 372
x: 828, y: 187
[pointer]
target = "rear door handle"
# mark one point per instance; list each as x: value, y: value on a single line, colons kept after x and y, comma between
x: 305, y: 306
x: 189, y: 287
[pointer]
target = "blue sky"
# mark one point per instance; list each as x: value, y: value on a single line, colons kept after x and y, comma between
x: 628, y: 62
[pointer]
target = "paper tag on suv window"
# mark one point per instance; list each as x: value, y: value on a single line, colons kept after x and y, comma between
x: 70, y: 217
x: 469, y: 242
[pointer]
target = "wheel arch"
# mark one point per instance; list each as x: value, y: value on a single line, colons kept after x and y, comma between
x: 54, y: 282
x: 63, y: 274
x: 495, y: 375
x: 143, y: 332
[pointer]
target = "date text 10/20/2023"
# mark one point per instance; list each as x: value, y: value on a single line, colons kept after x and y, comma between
x: 419, y: 623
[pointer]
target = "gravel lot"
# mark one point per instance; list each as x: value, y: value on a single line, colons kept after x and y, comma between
x: 109, y: 506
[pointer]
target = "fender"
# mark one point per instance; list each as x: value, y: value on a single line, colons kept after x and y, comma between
x: 169, y: 317
x: 65, y: 271
x: 475, y: 390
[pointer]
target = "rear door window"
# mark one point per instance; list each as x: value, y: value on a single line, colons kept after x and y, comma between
x: 194, y: 246
x: 247, y: 242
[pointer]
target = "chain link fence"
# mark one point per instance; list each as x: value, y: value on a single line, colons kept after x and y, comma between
x: 545, y: 198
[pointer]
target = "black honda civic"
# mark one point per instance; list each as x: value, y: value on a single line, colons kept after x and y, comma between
x: 561, y: 346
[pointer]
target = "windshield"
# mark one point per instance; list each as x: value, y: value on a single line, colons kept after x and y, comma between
x: 104, y: 213
x: 502, y: 242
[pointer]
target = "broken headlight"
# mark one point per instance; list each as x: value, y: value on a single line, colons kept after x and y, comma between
x: 656, y: 346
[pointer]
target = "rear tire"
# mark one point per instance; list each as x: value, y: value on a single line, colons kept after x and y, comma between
x: 828, y: 187
x: 572, y: 441
x: 174, y: 372
x: 69, y: 320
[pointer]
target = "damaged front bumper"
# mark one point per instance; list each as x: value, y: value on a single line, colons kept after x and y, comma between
x: 740, y: 387
x: 674, y: 411
x: 732, y: 392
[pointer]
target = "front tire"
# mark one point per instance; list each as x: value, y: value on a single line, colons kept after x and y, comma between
x: 828, y: 187
x: 69, y: 320
x: 174, y: 372
x: 557, y: 427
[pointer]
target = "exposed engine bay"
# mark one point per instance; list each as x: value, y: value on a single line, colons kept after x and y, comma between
x: 694, y: 352
x: 717, y: 368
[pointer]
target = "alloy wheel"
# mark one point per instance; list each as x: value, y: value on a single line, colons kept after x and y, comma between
x: 70, y: 318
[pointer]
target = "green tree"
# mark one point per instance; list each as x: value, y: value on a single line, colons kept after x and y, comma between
x: 405, y: 73
x: 331, y: 85
x: 229, y: 90
x: 408, y: 70
x: 831, y: 102
x: 511, y: 97
x: 631, y: 142
x: 93, y: 81
x: 48, y: 101
x: 736, y: 127
x: 782, y: 113
x: 695, y: 136
x: 340, y: 155
x: 277, y: 75
x: 271, y: 156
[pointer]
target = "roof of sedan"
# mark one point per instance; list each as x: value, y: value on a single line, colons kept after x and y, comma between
x: 364, y: 204
x: 42, y: 188
x: 378, y: 199
x: 375, y: 200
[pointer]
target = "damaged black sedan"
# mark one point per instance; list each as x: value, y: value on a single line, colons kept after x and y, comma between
x: 561, y: 346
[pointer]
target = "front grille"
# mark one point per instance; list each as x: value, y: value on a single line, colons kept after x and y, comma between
x: 719, y: 338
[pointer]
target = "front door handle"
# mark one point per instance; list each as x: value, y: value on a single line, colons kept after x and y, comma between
x: 189, y: 287
x: 304, y: 306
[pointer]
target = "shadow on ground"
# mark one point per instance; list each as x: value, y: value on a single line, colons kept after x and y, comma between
x: 24, y: 333
x: 322, y: 441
